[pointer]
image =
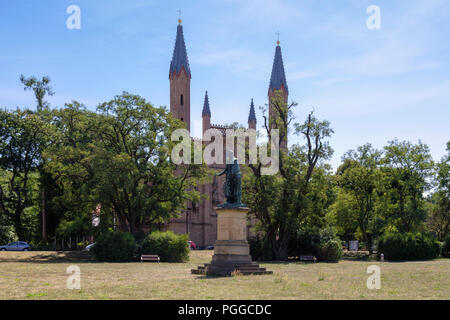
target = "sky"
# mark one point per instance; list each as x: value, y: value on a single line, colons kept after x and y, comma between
x: 373, y: 85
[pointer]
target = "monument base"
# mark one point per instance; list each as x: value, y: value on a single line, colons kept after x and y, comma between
x: 231, y: 250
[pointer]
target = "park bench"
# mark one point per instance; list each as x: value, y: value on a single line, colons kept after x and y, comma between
x: 149, y: 257
x: 308, y: 258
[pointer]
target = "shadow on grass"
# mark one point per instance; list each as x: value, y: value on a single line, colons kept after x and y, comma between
x: 51, y: 257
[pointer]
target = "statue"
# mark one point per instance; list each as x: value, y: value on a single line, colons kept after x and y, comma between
x: 232, y: 186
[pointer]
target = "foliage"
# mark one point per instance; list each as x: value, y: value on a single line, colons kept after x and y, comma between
x: 323, y: 243
x: 407, y: 168
x: 39, y: 88
x: 446, y: 247
x: 360, y: 178
x: 119, y: 157
x: 115, y: 246
x: 330, y: 251
x: 343, y: 215
x: 408, y: 246
x: 260, y: 248
x: 167, y: 245
x: 439, y: 205
x: 280, y: 201
x: 22, y: 137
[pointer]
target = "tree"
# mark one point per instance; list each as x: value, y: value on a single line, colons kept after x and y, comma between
x: 135, y: 177
x: 279, y: 201
x: 439, y: 206
x: 22, y: 137
x: 69, y: 164
x: 360, y: 176
x: 39, y: 88
x: 408, y: 168
x: 343, y: 215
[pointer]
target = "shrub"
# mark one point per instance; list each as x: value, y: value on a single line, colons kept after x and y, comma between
x: 324, y: 244
x: 446, y: 247
x: 330, y: 250
x: 42, y: 246
x: 115, y: 247
x: 408, y: 246
x: 167, y: 245
x: 260, y: 248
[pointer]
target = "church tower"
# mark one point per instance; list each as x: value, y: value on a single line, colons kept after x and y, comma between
x: 180, y: 81
x: 206, y: 114
x: 252, y: 117
x: 277, y: 82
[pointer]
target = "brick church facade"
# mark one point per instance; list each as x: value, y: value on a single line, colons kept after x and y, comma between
x: 200, y: 220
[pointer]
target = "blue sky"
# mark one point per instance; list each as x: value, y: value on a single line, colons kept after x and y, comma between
x: 372, y: 85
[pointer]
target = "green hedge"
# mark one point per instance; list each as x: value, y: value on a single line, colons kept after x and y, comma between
x: 115, y: 247
x: 408, y: 246
x: 167, y: 245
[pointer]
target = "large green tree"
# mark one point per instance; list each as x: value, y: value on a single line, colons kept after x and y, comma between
x: 439, y: 206
x: 360, y: 176
x: 280, y: 201
x: 22, y: 137
x: 408, y: 168
x: 120, y: 157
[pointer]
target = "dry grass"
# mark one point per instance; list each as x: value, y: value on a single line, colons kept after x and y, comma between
x: 42, y: 275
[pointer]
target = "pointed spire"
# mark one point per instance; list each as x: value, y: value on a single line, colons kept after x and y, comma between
x: 179, y: 58
x: 278, y: 76
x: 206, y: 111
x: 252, y: 115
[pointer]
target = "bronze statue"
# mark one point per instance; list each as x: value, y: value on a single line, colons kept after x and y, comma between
x: 232, y: 187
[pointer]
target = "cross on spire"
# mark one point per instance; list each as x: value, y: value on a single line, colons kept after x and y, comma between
x: 179, y: 16
x: 278, y: 37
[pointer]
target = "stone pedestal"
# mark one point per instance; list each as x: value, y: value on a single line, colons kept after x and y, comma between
x: 231, y: 250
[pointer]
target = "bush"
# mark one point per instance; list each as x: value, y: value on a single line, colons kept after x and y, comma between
x: 330, y: 250
x: 324, y: 244
x: 115, y: 247
x: 42, y: 246
x: 260, y: 249
x: 408, y: 246
x: 167, y: 245
x: 446, y: 247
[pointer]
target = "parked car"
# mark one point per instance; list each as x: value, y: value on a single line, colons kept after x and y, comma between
x: 192, y: 245
x: 16, y: 246
x: 210, y: 248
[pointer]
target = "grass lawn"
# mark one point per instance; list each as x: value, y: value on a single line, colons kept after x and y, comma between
x: 42, y: 275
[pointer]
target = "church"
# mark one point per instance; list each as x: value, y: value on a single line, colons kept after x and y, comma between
x: 200, y: 219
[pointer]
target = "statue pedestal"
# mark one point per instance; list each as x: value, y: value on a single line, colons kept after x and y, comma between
x: 231, y: 250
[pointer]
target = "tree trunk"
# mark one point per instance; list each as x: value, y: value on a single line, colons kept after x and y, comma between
x: 279, y: 249
x: 44, y: 218
x: 18, y: 226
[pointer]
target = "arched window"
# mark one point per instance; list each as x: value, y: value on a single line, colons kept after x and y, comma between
x: 181, y: 100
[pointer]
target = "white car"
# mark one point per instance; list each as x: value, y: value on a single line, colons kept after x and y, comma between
x: 89, y: 247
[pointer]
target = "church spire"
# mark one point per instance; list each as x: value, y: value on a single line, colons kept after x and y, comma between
x: 278, y: 77
x: 179, y: 58
x: 180, y: 81
x: 252, y: 115
x: 206, y: 111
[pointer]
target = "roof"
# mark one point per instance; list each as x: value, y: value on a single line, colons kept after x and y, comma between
x: 206, y: 111
x: 278, y: 76
x: 251, y: 115
x: 179, y: 58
